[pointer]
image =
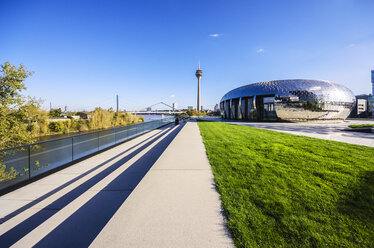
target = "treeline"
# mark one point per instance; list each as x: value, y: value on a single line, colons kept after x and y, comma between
x: 99, y: 119
x: 22, y: 119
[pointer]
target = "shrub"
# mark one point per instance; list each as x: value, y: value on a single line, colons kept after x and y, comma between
x: 56, y: 126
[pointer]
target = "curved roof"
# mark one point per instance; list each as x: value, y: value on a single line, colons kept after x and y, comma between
x: 326, y: 90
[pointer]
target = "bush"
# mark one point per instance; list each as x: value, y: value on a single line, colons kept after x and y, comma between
x: 82, y: 125
x: 65, y: 130
x: 43, y: 127
x: 56, y: 126
x: 74, y: 124
x: 193, y: 112
x: 67, y: 124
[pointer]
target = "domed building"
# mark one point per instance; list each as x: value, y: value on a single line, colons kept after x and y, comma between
x: 288, y: 100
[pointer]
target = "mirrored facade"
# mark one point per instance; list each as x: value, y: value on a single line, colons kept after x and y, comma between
x: 288, y: 100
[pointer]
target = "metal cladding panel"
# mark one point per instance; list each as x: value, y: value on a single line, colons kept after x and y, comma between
x: 372, y: 82
x: 301, y: 99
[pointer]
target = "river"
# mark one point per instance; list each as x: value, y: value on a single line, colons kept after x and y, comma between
x: 57, y: 136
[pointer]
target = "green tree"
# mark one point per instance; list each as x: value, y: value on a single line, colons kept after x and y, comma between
x: 55, y: 112
x: 14, y: 118
x: 36, y: 118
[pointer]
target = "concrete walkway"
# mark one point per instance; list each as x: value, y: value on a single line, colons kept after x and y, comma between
x: 154, y: 191
x: 329, y: 131
x: 176, y: 204
x: 336, y: 131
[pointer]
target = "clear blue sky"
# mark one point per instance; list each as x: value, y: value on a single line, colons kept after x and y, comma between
x: 83, y: 53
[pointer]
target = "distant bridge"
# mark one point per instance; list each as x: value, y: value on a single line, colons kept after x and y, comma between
x: 148, y: 110
x: 156, y: 112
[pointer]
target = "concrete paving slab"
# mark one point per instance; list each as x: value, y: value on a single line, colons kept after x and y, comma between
x: 161, y: 215
x: 188, y: 151
x: 30, y: 192
x: 175, y: 205
x: 18, y: 206
x: 54, y: 179
x: 8, y: 206
x: 82, y: 206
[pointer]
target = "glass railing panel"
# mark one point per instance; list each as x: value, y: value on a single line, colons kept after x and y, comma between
x: 147, y: 126
x: 85, y: 144
x: 132, y: 131
x: 14, y: 166
x: 152, y: 125
x: 141, y: 127
x: 122, y: 134
x: 106, y: 138
x: 156, y: 124
x: 21, y: 163
x: 50, y: 155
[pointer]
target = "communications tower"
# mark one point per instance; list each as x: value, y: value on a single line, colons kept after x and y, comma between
x: 199, y: 74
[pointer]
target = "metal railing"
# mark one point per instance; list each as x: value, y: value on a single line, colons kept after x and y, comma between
x: 21, y: 163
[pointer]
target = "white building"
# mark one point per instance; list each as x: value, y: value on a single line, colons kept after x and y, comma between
x: 361, y: 106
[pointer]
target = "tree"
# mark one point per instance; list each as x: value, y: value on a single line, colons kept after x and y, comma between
x: 14, y: 117
x: 55, y: 112
x: 194, y: 112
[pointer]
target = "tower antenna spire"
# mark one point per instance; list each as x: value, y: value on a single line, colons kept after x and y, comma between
x: 199, y: 74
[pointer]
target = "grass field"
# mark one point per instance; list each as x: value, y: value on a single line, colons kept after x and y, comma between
x: 361, y: 125
x: 283, y: 190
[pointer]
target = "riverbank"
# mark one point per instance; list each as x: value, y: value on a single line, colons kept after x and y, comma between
x: 58, y: 135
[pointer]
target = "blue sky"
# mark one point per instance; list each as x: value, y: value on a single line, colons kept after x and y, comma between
x: 83, y: 53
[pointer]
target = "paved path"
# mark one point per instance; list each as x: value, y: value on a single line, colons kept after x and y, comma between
x: 175, y: 205
x: 154, y: 191
x: 329, y: 130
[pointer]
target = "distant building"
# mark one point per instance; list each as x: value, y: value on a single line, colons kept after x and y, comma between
x: 64, y: 118
x: 149, y: 109
x: 361, y: 106
x: 75, y: 117
x: 371, y: 103
x: 190, y: 107
x: 288, y: 100
x: 216, y: 108
x: 175, y: 106
x: 372, y: 82
x: 362, y: 109
x: 84, y: 115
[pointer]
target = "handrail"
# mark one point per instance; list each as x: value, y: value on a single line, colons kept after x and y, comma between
x: 74, y: 135
x: 34, y: 159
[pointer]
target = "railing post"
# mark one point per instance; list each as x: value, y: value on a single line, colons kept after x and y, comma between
x: 115, y: 135
x: 72, y: 148
x: 98, y: 141
x: 29, y: 155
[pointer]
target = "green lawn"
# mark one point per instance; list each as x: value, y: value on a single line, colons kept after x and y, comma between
x: 361, y: 125
x: 283, y: 190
